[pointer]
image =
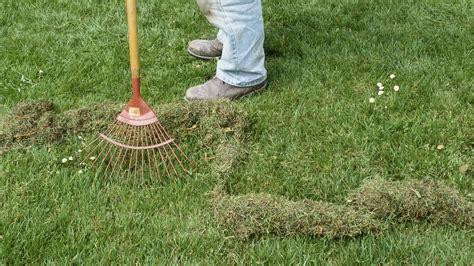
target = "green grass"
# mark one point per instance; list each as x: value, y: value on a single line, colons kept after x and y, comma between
x: 315, y: 135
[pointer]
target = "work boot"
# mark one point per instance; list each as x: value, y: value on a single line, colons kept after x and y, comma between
x: 216, y: 89
x: 205, y: 49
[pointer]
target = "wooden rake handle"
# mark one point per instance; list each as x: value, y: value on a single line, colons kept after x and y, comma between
x: 133, y: 45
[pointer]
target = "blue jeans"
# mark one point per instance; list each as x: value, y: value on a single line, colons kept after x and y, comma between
x: 240, y: 25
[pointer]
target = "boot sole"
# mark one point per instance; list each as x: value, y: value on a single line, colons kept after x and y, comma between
x: 234, y: 98
x: 202, y: 57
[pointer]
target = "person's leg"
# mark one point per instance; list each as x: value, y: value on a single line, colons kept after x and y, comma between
x: 240, y: 25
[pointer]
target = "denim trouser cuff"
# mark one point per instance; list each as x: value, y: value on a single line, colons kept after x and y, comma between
x: 229, y: 80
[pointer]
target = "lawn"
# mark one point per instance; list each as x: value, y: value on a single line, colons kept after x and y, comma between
x: 314, y: 134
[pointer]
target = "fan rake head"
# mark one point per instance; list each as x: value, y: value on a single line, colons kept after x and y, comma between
x: 138, y: 144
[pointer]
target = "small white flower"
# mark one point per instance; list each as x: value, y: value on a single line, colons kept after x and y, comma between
x: 80, y: 137
x: 41, y: 71
x: 70, y: 158
x: 380, y: 93
x: 379, y: 85
x: 396, y: 88
x: 64, y: 160
x: 92, y: 158
x: 57, y: 172
x: 381, y: 88
x: 80, y: 171
x: 83, y: 163
x: 371, y: 100
x: 392, y: 76
x: 79, y: 151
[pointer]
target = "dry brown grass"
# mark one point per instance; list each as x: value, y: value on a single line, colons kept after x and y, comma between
x: 413, y: 200
x: 219, y: 126
x: 373, y: 207
x: 30, y: 123
x: 254, y: 215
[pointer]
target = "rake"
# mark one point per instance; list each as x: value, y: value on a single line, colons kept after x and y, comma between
x: 136, y: 141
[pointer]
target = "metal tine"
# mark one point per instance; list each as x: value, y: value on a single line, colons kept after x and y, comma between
x: 131, y: 152
x: 154, y: 157
x: 119, y: 132
x: 161, y: 129
x: 174, y: 143
x: 113, y: 161
x: 161, y: 155
x: 122, y: 130
x: 107, y: 154
x: 135, y: 167
x: 101, y: 151
x: 143, y: 158
x: 149, y: 161
x: 166, y: 151
x: 99, y: 138
x: 165, y: 148
x: 136, y: 154
x: 125, y: 151
x: 126, y: 138
x: 106, y: 144
x: 163, y: 132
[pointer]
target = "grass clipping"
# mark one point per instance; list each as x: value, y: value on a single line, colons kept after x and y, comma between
x: 413, y: 201
x: 30, y: 123
x: 37, y: 122
x: 255, y: 215
x: 219, y: 126
x: 372, y: 207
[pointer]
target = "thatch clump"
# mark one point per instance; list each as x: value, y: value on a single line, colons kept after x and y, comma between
x: 219, y: 126
x: 31, y: 123
x: 254, y: 215
x: 412, y: 201
x: 37, y: 122
x: 214, y: 122
x: 94, y: 118
x: 372, y: 207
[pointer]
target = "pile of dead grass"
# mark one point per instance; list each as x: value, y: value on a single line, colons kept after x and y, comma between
x: 37, y: 122
x: 94, y: 118
x: 30, y: 123
x: 372, y: 207
x: 412, y: 201
x: 255, y: 215
x: 220, y: 127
